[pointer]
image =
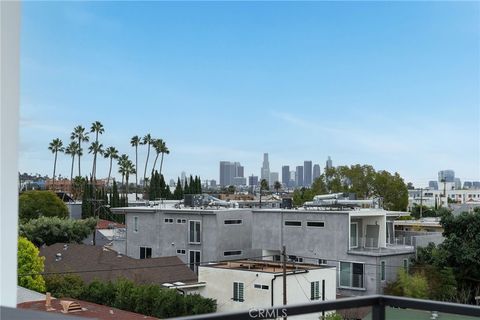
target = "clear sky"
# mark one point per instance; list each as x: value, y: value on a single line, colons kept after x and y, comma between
x: 394, y: 85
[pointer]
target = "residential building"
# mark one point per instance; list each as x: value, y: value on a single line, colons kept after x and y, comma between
x: 299, y: 177
x: 444, y: 197
x: 357, y: 241
x: 265, y: 171
x: 307, y: 173
x: 316, y: 172
x: 246, y: 284
x: 62, y: 257
x: 286, y: 176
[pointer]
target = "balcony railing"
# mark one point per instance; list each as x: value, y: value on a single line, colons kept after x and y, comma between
x: 377, y: 302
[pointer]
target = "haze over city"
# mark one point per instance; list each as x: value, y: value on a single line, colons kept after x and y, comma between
x: 394, y: 85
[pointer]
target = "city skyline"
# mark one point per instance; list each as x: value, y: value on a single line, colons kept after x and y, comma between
x: 349, y: 85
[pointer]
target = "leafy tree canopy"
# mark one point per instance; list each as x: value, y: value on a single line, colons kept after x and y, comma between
x: 30, y: 265
x: 34, y: 204
x: 50, y: 230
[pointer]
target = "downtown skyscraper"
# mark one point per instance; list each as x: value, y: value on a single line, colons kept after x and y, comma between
x: 307, y: 173
x: 265, y: 171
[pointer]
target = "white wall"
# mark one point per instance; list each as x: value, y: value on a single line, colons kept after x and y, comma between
x: 219, y: 286
x: 10, y: 81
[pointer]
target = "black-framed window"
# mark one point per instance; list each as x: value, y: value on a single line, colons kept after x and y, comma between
x: 145, y: 253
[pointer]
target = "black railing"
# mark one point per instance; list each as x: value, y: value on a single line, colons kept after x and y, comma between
x: 377, y: 302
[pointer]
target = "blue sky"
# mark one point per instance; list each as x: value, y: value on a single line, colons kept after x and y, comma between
x: 395, y: 85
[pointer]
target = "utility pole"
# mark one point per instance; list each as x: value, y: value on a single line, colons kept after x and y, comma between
x: 421, y: 203
x: 284, y: 256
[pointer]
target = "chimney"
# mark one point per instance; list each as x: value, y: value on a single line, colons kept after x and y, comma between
x: 48, y: 302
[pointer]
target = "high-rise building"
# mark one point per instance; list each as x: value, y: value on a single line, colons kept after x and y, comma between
x: 433, y: 185
x: 273, y: 177
x: 286, y: 175
x: 329, y: 163
x: 299, y: 176
x: 253, y: 180
x: 265, y: 173
x: 446, y: 176
x: 213, y: 183
x: 458, y: 184
x: 316, y: 172
x: 229, y: 171
x: 293, y: 178
x: 239, y: 181
x: 307, y: 173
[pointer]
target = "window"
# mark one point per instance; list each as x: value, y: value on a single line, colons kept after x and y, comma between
x: 232, y: 253
x: 293, y: 223
x: 316, y: 224
x: 135, y: 224
x: 181, y: 221
x: 238, y: 291
x: 322, y: 261
x: 232, y: 222
x: 295, y: 259
x: 168, y: 220
x: 194, y: 259
x: 260, y: 286
x: 194, y: 231
x: 145, y: 253
x: 382, y: 270
x: 180, y: 251
x: 315, y: 290
x: 354, y: 235
x: 351, y: 274
x: 405, y: 264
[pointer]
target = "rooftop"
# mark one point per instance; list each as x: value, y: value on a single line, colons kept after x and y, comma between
x: 91, y: 262
x: 263, y: 266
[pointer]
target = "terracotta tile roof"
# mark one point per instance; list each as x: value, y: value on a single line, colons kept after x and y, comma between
x: 95, y: 262
x: 106, y: 224
x: 93, y: 310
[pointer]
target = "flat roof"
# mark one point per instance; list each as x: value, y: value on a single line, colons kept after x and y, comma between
x: 264, y: 266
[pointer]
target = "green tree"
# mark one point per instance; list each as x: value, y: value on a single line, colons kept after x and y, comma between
x: 414, y: 286
x: 392, y: 189
x: 79, y: 134
x: 33, y: 204
x: 277, y: 186
x: 178, y: 192
x: 72, y: 149
x: 96, y: 147
x: 51, y: 230
x: 66, y: 286
x: 134, y: 142
x: 30, y: 266
x: 55, y: 146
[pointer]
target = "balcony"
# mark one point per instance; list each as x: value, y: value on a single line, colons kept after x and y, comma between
x: 382, y: 307
x: 370, y: 246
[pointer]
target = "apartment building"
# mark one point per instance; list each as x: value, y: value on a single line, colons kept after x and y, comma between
x: 353, y: 240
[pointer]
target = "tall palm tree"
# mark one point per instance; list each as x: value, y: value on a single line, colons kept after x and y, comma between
x: 112, y: 153
x: 164, y: 150
x: 277, y: 186
x: 135, y: 141
x: 156, y: 144
x: 95, y: 148
x: 79, y: 134
x: 96, y: 127
x: 122, y: 166
x: 147, y: 140
x: 55, y: 146
x: 72, y: 150
x: 129, y: 169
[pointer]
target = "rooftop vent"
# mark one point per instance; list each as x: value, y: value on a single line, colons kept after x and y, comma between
x: 58, y: 256
x: 179, y: 283
x: 65, y: 246
x: 70, y: 306
x: 168, y: 285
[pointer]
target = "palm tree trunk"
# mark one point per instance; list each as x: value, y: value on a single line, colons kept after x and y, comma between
x: 54, y: 169
x: 161, y: 164
x: 146, y: 163
x: 109, y: 171
x: 154, y: 163
x: 123, y: 179
x: 80, y: 150
x: 136, y: 168
x: 71, y: 170
x: 94, y: 165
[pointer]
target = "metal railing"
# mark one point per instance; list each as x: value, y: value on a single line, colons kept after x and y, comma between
x: 377, y: 302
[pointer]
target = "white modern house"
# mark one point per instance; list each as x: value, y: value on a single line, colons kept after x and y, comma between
x: 254, y: 285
